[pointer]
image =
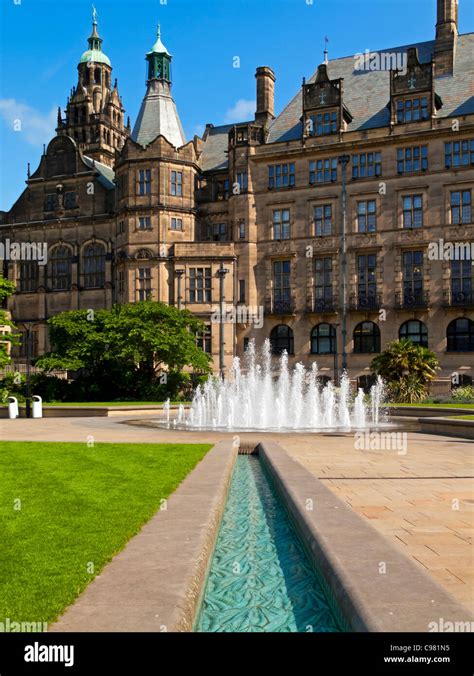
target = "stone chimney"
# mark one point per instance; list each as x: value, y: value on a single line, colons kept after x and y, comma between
x: 265, y: 112
x: 446, y: 37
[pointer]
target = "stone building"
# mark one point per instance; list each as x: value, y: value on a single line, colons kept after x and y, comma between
x: 346, y: 219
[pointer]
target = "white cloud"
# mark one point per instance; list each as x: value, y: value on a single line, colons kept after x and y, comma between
x: 243, y: 110
x: 35, y: 127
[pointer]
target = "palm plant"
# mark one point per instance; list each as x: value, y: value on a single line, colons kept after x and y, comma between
x: 407, y: 369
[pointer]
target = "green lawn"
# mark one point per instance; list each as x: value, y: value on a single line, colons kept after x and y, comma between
x: 437, y: 405
x: 462, y: 417
x: 112, y: 403
x: 79, y: 506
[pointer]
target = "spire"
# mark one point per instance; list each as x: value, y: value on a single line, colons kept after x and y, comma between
x: 95, y: 53
x: 158, y: 113
x: 326, y: 60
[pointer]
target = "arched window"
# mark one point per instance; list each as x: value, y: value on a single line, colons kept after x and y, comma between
x: 460, y: 335
x: 94, y: 265
x: 323, y: 339
x: 60, y: 262
x: 97, y: 75
x: 281, y: 339
x: 415, y: 331
x: 366, y: 338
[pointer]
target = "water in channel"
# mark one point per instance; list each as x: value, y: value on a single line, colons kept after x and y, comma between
x: 260, y: 577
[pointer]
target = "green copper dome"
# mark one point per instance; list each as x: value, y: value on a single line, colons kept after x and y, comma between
x: 96, y: 56
x: 95, y: 53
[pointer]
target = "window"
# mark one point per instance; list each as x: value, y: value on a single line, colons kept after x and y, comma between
x: 241, y: 290
x: 323, y: 283
x: 204, y: 339
x: 323, y: 339
x: 144, y: 284
x: 94, y: 266
x: 28, y: 276
x: 412, y: 110
x: 121, y: 227
x: 412, y: 277
x: 223, y: 189
x: 281, y: 340
x: 243, y: 181
x: 413, y: 211
x: 70, y: 200
x: 460, y: 335
x: 366, y: 278
x: 366, y: 338
x: 323, y: 171
x: 461, y: 207
x: 366, y: 165
x: 200, y: 285
x: 177, y: 183
x: 144, y: 223
x: 176, y: 224
x: 50, y: 203
x: 322, y: 220
x: 413, y: 159
x: 281, y: 224
x: 60, y: 265
x: 242, y: 230
x: 121, y: 281
x: 461, y: 280
x: 323, y: 123
x: 415, y: 331
x: 220, y: 232
x: 459, y: 153
x: 281, y: 175
x: 281, y: 283
x: 366, y: 216
x: 144, y: 182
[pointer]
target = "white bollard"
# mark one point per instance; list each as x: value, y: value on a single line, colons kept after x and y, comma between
x: 13, y: 411
x: 37, y: 406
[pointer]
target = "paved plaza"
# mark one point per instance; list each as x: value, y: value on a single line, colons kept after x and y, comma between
x: 423, y: 501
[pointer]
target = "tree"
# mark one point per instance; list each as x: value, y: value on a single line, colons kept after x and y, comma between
x: 407, y: 369
x: 128, y: 349
x: 7, y: 288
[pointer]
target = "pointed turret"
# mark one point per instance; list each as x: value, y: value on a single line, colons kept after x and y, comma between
x: 158, y: 113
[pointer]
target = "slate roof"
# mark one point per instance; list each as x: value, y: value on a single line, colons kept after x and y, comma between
x: 158, y: 115
x: 366, y: 95
x: 106, y: 174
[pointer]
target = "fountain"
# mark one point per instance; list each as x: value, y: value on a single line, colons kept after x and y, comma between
x: 253, y: 399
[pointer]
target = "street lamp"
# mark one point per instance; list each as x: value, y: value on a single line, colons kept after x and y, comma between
x: 222, y: 271
x: 179, y: 273
x: 344, y: 161
x: 28, y: 327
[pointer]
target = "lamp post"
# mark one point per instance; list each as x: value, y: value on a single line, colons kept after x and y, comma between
x: 179, y: 273
x: 344, y: 161
x: 28, y: 326
x: 222, y: 271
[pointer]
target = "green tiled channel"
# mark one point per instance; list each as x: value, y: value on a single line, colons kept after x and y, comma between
x: 260, y: 579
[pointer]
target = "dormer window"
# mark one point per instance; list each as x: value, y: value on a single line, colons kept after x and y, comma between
x: 323, y: 124
x: 324, y: 112
x: 412, y: 110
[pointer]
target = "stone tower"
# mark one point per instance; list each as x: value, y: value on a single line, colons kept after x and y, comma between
x: 94, y: 112
x: 446, y: 36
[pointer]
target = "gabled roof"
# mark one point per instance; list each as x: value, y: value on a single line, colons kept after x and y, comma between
x: 158, y: 115
x: 367, y: 93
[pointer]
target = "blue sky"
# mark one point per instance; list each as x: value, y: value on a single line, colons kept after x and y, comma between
x: 42, y: 41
